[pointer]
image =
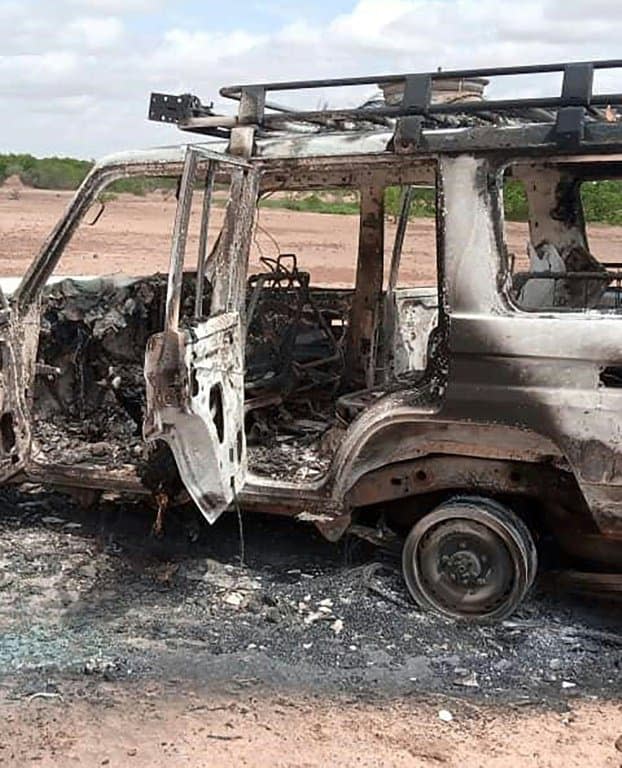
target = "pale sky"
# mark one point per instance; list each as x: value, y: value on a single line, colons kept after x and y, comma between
x: 75, y: 75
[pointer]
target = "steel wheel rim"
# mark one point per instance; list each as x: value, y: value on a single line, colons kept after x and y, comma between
x: 480, y: 521
x: 463, y: 566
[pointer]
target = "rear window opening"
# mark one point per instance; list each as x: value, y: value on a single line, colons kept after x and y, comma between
x: 563, y: 236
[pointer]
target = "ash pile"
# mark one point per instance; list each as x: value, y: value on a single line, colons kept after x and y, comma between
x: 90, y: 392
x: 92, y: 598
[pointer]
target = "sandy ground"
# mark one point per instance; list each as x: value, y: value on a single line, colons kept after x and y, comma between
x: 160, y: 726
x: 162, y: 719
x: 133, y: 236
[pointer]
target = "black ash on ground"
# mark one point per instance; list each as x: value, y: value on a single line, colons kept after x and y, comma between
x: 93, y: 593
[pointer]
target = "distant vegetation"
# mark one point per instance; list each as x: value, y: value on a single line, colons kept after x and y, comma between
x: 314, y: 202
x: 45, y: 173
x: 68, y: 173
x: 340, y: 202
x: 602, y: 200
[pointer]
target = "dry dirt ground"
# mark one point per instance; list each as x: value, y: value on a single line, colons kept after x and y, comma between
x: 118, y: 649
x: 158, y: 726
x: 133, y: 236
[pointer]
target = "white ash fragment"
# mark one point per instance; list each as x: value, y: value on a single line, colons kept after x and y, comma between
x: 337, y: 626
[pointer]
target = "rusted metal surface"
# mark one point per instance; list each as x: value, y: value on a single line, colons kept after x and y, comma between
x: 451, y: 472
x: 203, y: 233
x: 231, y: 262
x: 200, y: 414
x: 88, y: 477
x: 195, y: 377
x: 365, y: 313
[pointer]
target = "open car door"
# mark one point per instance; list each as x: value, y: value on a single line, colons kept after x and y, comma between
x: 194, y: 369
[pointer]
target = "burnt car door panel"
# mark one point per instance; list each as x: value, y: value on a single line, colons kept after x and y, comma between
x: 195, y: 397
x: 195, y: 370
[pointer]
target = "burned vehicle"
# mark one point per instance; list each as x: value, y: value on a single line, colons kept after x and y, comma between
x: 479, y: 416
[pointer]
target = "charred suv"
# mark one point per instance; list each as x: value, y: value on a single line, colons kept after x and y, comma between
x: 479, y: 416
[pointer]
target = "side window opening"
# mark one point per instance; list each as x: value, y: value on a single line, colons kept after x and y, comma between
x: 300, y: 287
x: 557, y: 255
x: 602, y: 205
x: 107, y: 296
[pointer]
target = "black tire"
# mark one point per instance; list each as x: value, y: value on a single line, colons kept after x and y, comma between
x: 471, y: 558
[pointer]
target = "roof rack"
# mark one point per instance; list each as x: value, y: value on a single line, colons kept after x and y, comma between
x: 568, y: 111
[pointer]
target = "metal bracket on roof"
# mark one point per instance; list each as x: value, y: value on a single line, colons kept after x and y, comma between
x: 417, y: 95
x: 576, y: 96
x: 577, y: 84
x: 250, y: 115
x: 168, y: 108
x: 252, y: 106
x: 570, y: 127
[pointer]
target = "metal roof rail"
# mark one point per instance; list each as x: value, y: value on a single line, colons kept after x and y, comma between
x: 568, y: 110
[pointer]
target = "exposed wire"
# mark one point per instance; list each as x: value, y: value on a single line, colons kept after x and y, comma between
x: 259, y: 228
x: 240, y: 530
x: 270, y: 237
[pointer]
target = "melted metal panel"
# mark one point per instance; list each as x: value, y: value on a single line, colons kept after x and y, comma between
x: 195, y: 394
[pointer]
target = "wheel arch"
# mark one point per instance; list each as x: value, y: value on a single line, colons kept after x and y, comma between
x: 372, y: 451
x: 459, y: 473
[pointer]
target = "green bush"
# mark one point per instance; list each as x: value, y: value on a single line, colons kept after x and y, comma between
x: 340, y: 202
x: 423, y: 204
x: 602, y: 201
x: 313, y: 203
x: 515, y: 201
x: 141, y: 185
x: 46, y: 172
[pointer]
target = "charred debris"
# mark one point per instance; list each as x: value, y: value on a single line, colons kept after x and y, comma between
x: 90, y: 392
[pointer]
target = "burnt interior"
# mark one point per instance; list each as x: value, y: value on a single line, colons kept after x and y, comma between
x: 89, y: 392
x: 89, y: 397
